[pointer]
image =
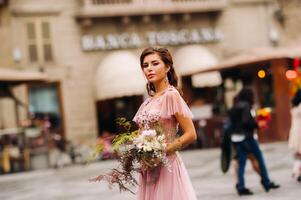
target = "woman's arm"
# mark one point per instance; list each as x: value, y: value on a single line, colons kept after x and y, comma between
x: 188, y: 137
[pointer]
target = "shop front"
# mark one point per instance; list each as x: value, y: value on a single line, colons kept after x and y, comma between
x: 267, y: 72
x: 198, y: 39
x: 31, y: 120
x: 92, y: 48
x: 120, y: 83
x: 120, y: 87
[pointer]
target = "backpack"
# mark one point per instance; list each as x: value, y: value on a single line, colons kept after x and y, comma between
x: 226, y: 145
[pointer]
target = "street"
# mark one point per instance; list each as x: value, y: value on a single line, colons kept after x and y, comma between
x: 203, y: 167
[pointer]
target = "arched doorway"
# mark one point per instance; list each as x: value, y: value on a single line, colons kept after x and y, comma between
x: 202, y: 91
x: 120, y: 86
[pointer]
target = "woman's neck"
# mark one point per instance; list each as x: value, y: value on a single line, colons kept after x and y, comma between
x: 161, y: 86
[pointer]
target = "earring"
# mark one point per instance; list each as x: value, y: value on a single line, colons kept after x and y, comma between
x: 166, y: 79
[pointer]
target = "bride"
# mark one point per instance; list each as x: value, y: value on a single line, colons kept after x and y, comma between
x: 166, y: 105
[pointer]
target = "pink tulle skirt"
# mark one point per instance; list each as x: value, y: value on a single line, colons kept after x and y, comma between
x: 168, y: 183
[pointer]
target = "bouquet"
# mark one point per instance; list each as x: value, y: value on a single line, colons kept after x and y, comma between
x: 150, y: 149
x: 263, y: 117
x: 136, y: 151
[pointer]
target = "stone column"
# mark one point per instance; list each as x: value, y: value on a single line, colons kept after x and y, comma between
x: 282, y: 99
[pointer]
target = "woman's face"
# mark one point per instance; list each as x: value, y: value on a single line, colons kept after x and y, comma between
x: 154, y: 68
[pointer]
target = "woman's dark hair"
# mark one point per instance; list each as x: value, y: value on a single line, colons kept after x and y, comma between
x: 246, y: 94
x: 167, y: 59
x: 297, y: 98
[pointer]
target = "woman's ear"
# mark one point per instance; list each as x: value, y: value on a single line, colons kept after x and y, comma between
x: 167, y: 69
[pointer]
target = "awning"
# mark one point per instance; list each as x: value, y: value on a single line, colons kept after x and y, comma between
x: 20, y: 76
x: 206, y: 79
x: 191, y: 59
x: 257, y: 55
x: 119, y: 74
x: 194, y: 58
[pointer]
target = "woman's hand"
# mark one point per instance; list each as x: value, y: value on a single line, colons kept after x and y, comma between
x: 150, y: 163
x: 174, y: 146
x: 168, y: 149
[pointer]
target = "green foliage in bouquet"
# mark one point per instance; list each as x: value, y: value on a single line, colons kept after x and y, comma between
x: 125, y: 137
x: 96, y: 151
x: 123, y: 175
x: 136, y: 152
x: 119, y: 140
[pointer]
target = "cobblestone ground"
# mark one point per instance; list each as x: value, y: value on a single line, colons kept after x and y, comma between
x: 203, y: 167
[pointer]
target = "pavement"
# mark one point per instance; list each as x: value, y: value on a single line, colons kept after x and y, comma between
x: 71, y: 183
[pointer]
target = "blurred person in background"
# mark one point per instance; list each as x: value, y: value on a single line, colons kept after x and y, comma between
x: 106, y: 141
x: 228, y: 150
x: 58, y: 155
x: 82, y: 152
x: 244, y: 126
x: 15, y: 155
x: 5, y: 157
x: 294, y: 141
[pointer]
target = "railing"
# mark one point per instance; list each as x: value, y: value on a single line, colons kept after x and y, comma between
x: 103, y: 8
x: 105, y: 2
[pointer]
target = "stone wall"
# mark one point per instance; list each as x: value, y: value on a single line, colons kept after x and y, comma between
x: 5, y: 38
x: 291, y: 27
x: 245, y: 24
x: 70, y: 68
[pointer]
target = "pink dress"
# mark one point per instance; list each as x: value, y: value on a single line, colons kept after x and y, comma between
x: 172, y: 182
x: 294, y: 141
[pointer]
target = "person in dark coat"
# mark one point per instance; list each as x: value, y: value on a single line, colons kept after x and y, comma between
x: 244, y: 125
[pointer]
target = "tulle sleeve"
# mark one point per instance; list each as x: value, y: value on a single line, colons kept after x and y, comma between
x: 173, y: 103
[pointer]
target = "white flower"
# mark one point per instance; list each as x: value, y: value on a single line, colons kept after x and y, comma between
x: 138, y: 140
x: 147, y: 148
x: 161, y: 137
x: 150, y: 133
x: 140, y: 145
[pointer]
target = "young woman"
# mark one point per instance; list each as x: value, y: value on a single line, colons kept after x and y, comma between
x: 294, y: 141
x: 166, y: 107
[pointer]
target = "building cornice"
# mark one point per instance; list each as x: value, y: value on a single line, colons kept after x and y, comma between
x: 250, y: 1
x: 29, y: 10
x: 91, y: 9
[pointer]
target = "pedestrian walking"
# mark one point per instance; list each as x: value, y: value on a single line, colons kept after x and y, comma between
x: 244, y: 126
x: 229, y: 154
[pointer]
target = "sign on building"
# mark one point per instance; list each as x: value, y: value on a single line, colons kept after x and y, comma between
x: 161, y: 38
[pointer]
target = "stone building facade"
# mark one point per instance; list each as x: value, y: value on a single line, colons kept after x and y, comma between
x: 290, y: 21
x: 68, y: 40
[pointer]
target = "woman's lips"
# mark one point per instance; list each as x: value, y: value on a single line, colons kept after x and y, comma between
x: 150, y: 75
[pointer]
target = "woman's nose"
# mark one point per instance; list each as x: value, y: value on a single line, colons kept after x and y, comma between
x: 149, y: 68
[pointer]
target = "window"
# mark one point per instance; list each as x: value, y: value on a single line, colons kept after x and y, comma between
x: 44, y: 103
x: 39, y: 41
x: 46, y: 41
x: 32, y: 42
